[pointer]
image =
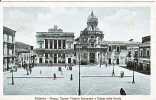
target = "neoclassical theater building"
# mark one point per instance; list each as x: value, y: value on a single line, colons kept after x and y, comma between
x: 54, y: 47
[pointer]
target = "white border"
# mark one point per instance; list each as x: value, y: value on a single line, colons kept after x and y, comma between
x: 1, y: 50
x: 152, y: 5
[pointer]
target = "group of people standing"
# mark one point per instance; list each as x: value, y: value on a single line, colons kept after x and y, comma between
x: 28, y: 67
x: 69, y: 67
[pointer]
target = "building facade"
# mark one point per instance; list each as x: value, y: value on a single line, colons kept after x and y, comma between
x: 138, y: 57
x: 8, y: 47
x: 55, y: 47
x: 116, y: 52
x: 24, y: 54
x: 89, y: 44
x: 144, y: 55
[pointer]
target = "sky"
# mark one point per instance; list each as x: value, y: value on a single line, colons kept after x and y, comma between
x: 117, y: 23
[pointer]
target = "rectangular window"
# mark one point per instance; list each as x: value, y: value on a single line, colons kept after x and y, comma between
x: 46, y: 44
x: 141, y: 53
x: 64, y: 44
x: 135, y: 53
x: 148, y: 53
x: 51, y: 44
x: 144, y: 52
x: 59, y: 58
x: 63, y: 58
x: 118, y: 49
x: 10, y: 39
x: 59, y: 44
x: 40, y: 45
x: 55, y: 44
x: 10, y: 51
x: 40, y: 60
x: 110, y: 49
x: 51, y: 55
x: 46, y: 61
x: 46, y: 55
x: 5, y: 37
x: 69, y: 46
x: 13, y: 40
x: 92, y: 44
x: 75, y: 54
x: 74, y: 46
x: 5, y: 50
x: 55, y: 58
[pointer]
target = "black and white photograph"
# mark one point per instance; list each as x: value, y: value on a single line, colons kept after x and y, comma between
x: 76, y: 51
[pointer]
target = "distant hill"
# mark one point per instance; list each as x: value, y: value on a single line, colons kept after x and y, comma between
x: 21, y: 45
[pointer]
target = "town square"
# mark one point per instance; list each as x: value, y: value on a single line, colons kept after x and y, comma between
x: 53, y: 54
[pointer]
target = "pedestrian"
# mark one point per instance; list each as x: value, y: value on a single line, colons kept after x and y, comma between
x: 59, y: 69
x: 71, y: 77
x: 113, y: 73
x: 24, y: 65
x: 65, y: 65
x: 122, y: 74
x: 122, y: 91
x: 54, y: 76
x: 27, y: 68
x: 30, y: 68
x: 71, y: 67
x: 40, y: 72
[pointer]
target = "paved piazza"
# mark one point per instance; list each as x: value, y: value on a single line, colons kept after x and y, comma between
x: 95, y: 80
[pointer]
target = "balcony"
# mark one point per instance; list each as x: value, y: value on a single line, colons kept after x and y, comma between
x: 41, y: 50
x: 92, y: 40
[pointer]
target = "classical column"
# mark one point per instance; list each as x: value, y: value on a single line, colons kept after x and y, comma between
x: 88, y: 57
x: 44, y: 44
x: 97, y: 57
x: 53, y: 43
x: 61, y: 45
x: 57, y: 58
x: 57, y: 44
x: 52, y: 58
x: 48, y: 43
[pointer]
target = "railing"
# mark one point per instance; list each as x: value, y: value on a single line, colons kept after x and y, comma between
x: 51, y: 65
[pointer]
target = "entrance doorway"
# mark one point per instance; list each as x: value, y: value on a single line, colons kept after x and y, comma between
x: 55, y: 58
x: 92, y: 57
x: 40, y: 60
x: 69, y: 60
x: 109, y: 61
x: 117, y: 61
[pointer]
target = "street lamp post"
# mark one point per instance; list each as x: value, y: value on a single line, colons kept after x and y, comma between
x: 100, y: 56
x: 12, y: 77
x: 79, y: 91
x: 100, y: 52
x: 27, y: 70
x: 113, y: 73
x: 12, y: 73
x: 135, y: 63
x: 133, y: 75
